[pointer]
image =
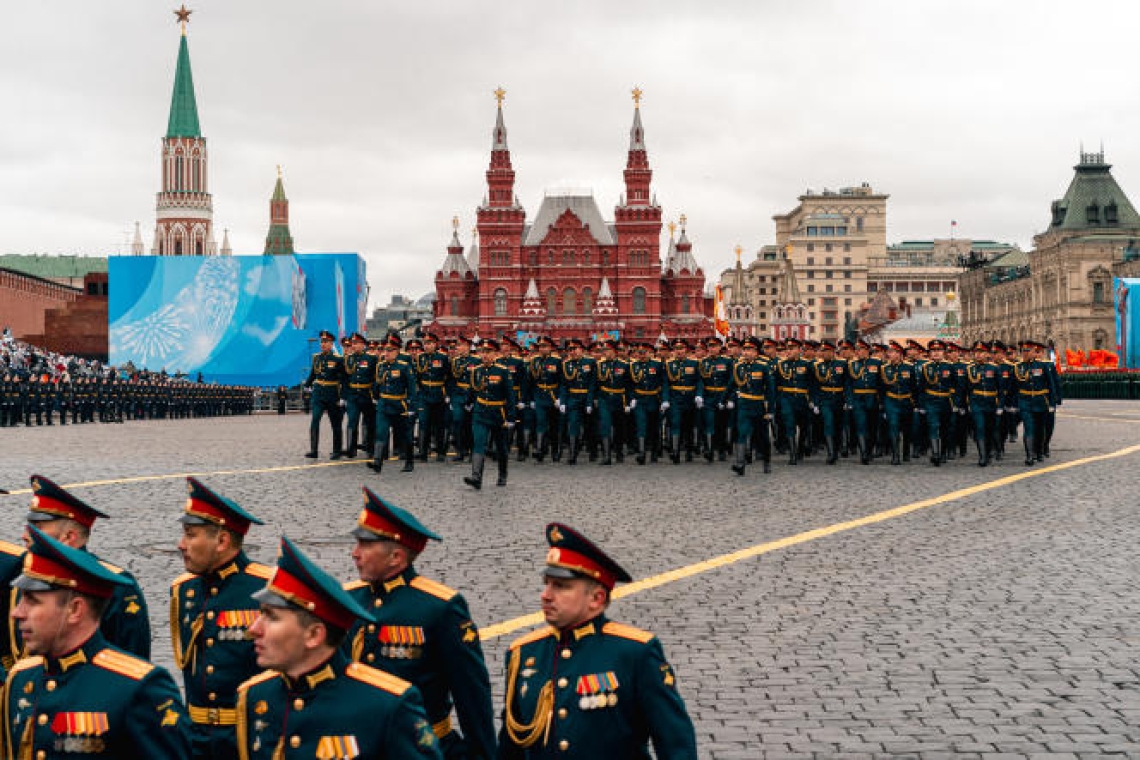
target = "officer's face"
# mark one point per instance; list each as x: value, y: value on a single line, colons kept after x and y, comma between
x: 569, y: 602
x: 326, y: 344
x: 201, y: 547
x: 378, y: 560
x: 43, y: 618
x: 280, y: 641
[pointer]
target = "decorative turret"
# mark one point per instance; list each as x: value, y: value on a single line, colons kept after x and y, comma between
x: 532, y: 305
x: 605, y: 307
x: 737, y: 298
x: 279, y: 241
x: 671, y: 252
x: 789, y: 312
x: 500, y: 175
x: 789, y: 288
x: 454, y: 264
x: 226, y: 249
x: 184, y: 206
x: 637, y: 172
x: 473, y: 254
x: 137, y: 244
x: 683, y: 260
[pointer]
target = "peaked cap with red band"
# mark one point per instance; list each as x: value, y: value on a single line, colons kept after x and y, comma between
x: 382, y: 520
x: 51, y: 565
x: 298, y: 582
x: 205, y: 507
x: 50, y: 502
x: 572, y: 555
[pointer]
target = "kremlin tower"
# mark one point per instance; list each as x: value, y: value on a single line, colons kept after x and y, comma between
x: 184, y: 212
x: 279, y: 241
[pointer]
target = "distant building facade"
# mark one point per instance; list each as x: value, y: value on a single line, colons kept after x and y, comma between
x: 571, y: 273
x: 402, y: 315
x: 1061, y: 291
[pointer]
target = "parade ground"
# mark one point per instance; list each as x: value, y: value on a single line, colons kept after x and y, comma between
x: 845, y: 611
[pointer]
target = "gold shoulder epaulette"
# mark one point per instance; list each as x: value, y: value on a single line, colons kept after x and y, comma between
x: 527, y: 638
x: 437, y: 590
x: 258, y: 570
x: 113, y: 568
x: 353, y: 585
x: 11, y: 549
x: 627, y: 632
x: 265, y: 675
x: 182, y: 579
x: 26, y: 664
x: 378, y: 678
x: 124, y: 664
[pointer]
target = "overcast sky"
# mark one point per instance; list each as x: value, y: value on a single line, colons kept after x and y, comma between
x: 381, y: 115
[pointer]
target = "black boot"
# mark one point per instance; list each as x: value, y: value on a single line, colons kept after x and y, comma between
x: 475, y: 479
x: 607, y: 449
x: 502, y: 481
x: 936, y: 452
x: 641, y: 451
x: 338, y: 443
x: 572, y: 458
x: 675, y: 452
x: 524, y: 448
x: 314, y: 441
x: 832, y: 449
x: 793, y: 450
x: 864, y: 450
x: 983, y: 458
x: 409, y: 458
x: 896, y: 445
x: 1030, y: 456
x: 540, y: 447
x: 738, y: 464
x: 377, y: 462
x: 709, y: 453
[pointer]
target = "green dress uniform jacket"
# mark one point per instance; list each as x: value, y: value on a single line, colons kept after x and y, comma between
x: 11, y: 564
x: 602, y: 690
x: 432, y: 373
x: 210, y: 616
x: 424, y: 634
x: 340, y: 710
x: 96, y: 702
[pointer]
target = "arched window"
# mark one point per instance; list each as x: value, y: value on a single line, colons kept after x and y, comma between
x: 639, y: 300
x: 568, y: 301
x: 568, y: 258
x: 551, y: 300
x: 455, y: 306
x: 684, y: 304
x: 587, y: 301
x: 500, y: 302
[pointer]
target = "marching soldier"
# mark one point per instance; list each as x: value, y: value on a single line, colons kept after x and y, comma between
x: 395, y: 384
x: 63, y: 517
x: 491, y: 402
x: 360, y: 369
x: 585, y: 686
x: 613, y: 390
x: 960, y: 420
x: 75, y: 693
x: 647, y: 378
x: 986, y: 395
x: 754, y: 388
x: 900, y: 383
x: 937, y: 381
x: 831, y: 381
x: 684, y: 398
x: 461, y: 363
x: 423, y: 631
x: 514, y: 363
x: 431, y: 382
x: 864, y: 386
x: 312, y: 701
x: 545, y: 384
x: 1038, y: 394
x: 579, y: 384
x: 716, y: 377
x: 795, y: 387
x: 211, y: 611
x: 325, y: 379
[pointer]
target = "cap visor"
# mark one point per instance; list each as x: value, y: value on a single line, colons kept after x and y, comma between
x: 187, y: 519
x: 24, y: 583
x: 363, y: 534
x: 560, y: 572
x: 41, y: 517
x: 269, y: 599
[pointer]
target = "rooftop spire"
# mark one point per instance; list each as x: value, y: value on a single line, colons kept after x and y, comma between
x: 499, y: 141
x: 636, y: 133
x: 183, y: 107
x: 279, y: 241
x: 789, y: 289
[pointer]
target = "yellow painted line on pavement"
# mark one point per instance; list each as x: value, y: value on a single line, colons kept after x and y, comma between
x: 1099, y: 419
x: 178, y: 475
x: 724, y: 560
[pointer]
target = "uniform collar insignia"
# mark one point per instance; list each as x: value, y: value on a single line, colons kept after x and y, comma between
x: 584, y: 630
x: 70, y: 661
x: 394, y: 583
x: 324, y: 674
x: 228, y: 570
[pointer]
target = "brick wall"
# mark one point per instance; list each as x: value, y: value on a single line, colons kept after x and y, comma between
x: 24, y: 300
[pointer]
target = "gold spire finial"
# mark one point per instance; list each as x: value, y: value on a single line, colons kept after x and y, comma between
x: 636, y: 91
x: 683, y: 220
x: 474, y: 233
x: 739, y: 250
x: 500, y: 93
x: 455, y: 223
x: 278, y: 171
x: 672, y: 228
x: 183, y: 16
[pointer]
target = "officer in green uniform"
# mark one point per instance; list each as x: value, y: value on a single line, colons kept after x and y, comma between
x: 312, y: 702
x: 613, y: 398
x: 864, y: 387
x: 716, y: 378
x: 396, y: 401
x: 985, y: 392
x: 937, y: 381
x: 900, y: 385
x: 459, y: 385
x: 647, y: 380
x: 546, y: 390
x: 795, y: 386
x: 431, y: 382
x: 325, y: 378
x: 584, y: 686
x: 831, y: 382
x: 63, y: 517
x: 1038, y: 394
x: 359, y: 368
x: 511, y: 359
x: 211, y: 610
x: 683, y: 399
x: 423, y: 631
x: 75, y: 694
x: 578, y: 387
x: 491, y: 403
x: 754, y: 393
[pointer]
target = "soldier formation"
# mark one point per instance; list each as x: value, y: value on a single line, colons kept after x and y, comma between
x: 286, y: 661
x: 712, y: 399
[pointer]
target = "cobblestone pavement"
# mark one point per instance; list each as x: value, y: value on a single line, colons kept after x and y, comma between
x: 995, y: 621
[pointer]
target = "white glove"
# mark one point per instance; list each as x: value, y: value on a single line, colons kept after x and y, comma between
x: 468, y: 407
x: 1052, y: 409
x: 342, y: 402
x: 664, y: 406
x: 447, y: 400
x: 532, y: 405
x: 768, y: 416
x: 720, y: 407
x: 508, y: 425
x: 589, y: 410
x: 921, y: 410
x: 700, y: 402
x: 729, y: 405
x: 410, y: 414
x: 520, y: 405
x: 632, y: 405
x: 961, y: 412
x: 562, y: 408
x: 308, y: 389
x: 999, y: 411
x: 847, y: 407
x: 814, y: 409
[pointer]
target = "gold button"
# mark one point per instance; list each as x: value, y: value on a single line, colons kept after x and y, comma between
x: 190, y: 594
x: 377, y: 603
x: 563, y: 745
x: 50, y: 685
x: 42, y: 720
x: 298, y: 704
x: 562, y: 683
x: 294, y: 742
x: 210, y: 615
x: 209, y: 642
x: 214, y: 591
x: 371, y: 657
x: 41, y: 755
x: 371, y: 628
x: 209, y: 670
x: 562, y: 712
x: 213, y: 697
x: 566, y: 654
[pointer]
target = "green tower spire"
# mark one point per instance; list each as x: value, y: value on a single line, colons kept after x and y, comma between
x: 183, y: 107
x: 279, y: 241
